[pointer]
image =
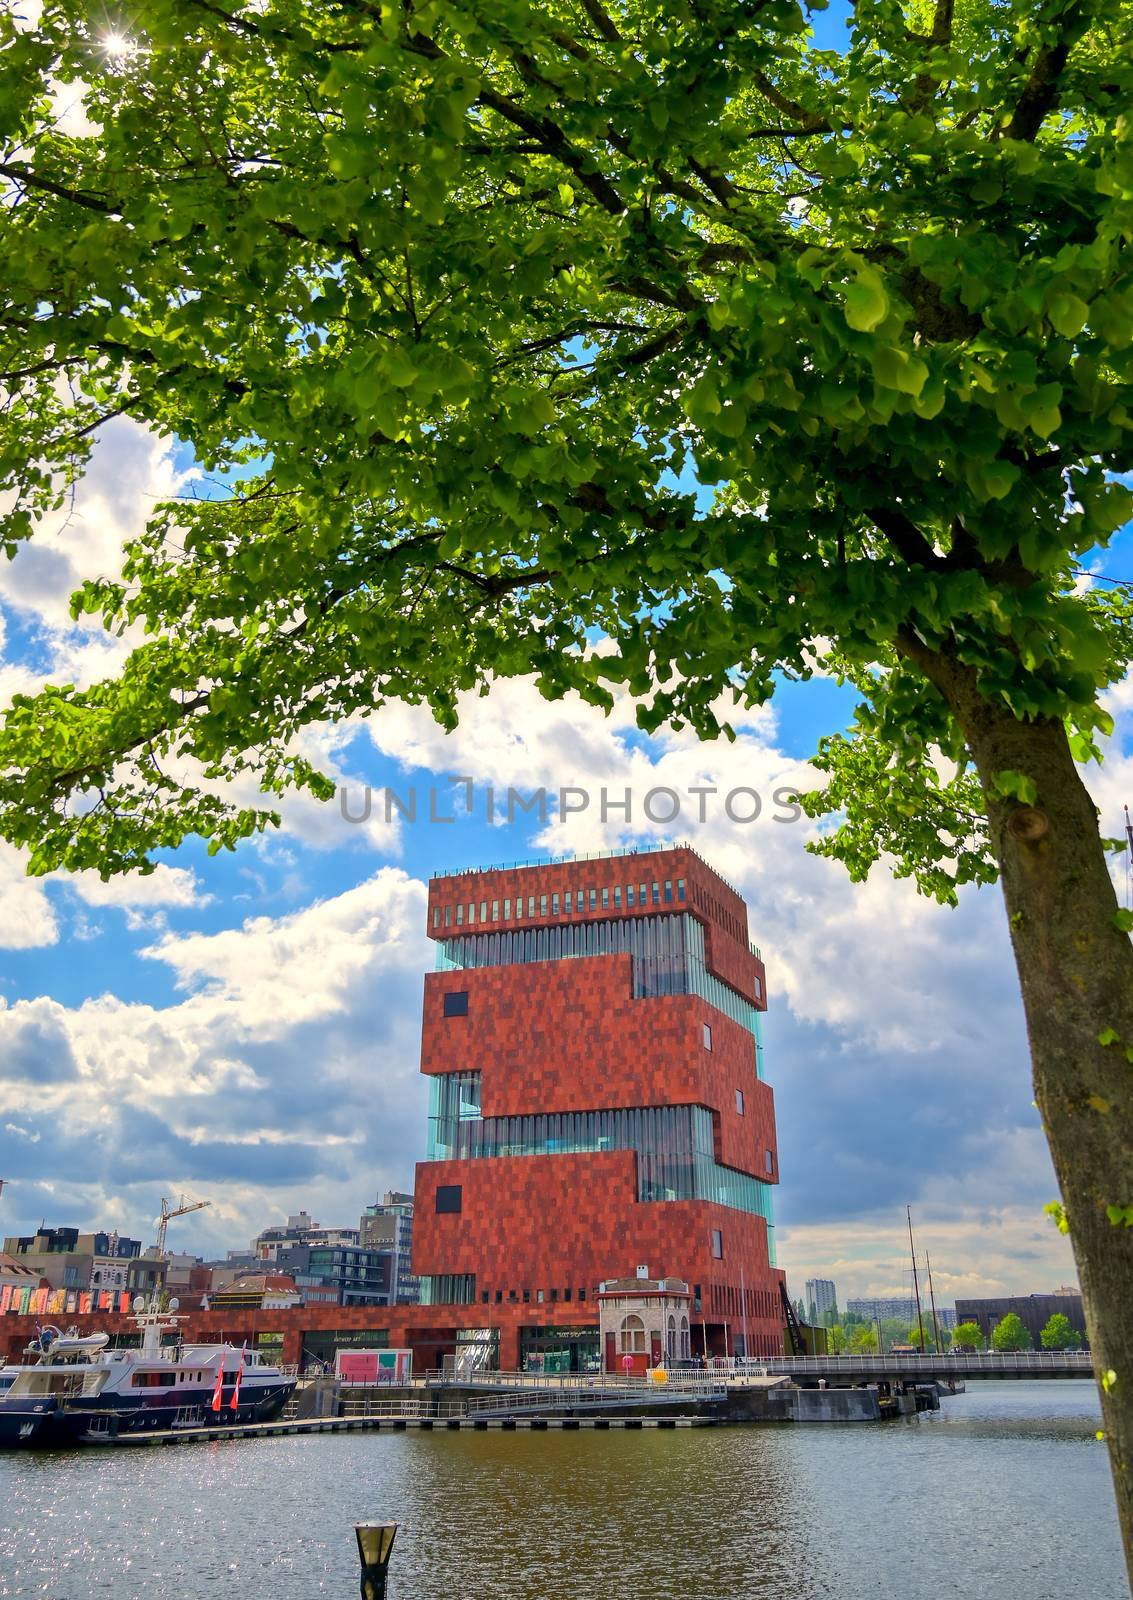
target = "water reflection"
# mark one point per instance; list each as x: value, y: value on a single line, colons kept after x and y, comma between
x: 1005, y: 1487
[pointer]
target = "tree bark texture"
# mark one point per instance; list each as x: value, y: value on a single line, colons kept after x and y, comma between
x: 1076, y: 973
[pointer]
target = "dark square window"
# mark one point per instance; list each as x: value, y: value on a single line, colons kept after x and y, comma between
x: 629, y: 894
x: 456, y: 1003
x: 740, y: 1101
x: 499, y: 1296
x: 527, y: 1297
x: 668, y: 889
x: 680, y: 888
x: 605, y: 899
x: 554, y: 1294
x: 593, y: 899
x: 769, y: 1161
x: 707, y: 1036
x: 717, y: 1244
x: 542, y: 905
x: 566, y: 1294
x: 554, y: 905
x: 582, y: 1294
x: 568, y: 898
x: 656, y: 894
x: 450, y: 1198
x: 483, y: 1297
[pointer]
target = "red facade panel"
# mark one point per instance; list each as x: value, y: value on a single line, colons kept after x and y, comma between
x: 537, y: 1225
x: 482, y: 895
x: 569, y: 1036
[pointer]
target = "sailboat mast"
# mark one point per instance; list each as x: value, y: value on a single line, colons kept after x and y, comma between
x: 932, y: 1303
x: 916, y: 1280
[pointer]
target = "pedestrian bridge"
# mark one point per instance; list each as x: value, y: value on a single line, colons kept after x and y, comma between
x: 853, y: 1369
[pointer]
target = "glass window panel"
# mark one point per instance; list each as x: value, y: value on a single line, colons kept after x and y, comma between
x: 629, y: 894
x: 542, y: 905
x: 448, y: 916
x: 460, y: 916
x: 567, y: 899
x: 554, y: 905
x: 495, y: 910
x: 618, y: 895
x: 605, y: 899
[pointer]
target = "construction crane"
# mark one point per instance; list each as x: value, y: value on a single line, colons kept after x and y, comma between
x: 168, y: 1212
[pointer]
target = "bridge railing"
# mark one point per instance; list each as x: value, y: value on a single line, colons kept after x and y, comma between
x: 986, y: 1362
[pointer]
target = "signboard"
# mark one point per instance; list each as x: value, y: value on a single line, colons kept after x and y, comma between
x: 373, y: 1366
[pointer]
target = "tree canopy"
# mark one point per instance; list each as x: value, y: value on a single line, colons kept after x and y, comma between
x: 1059, y: 1333
x: 967, y: 1336
x: 464, y: 300
x: 1009, y: 1333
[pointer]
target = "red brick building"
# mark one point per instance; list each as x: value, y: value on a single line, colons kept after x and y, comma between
x: 597, y: 1103
x: 592, y: 1040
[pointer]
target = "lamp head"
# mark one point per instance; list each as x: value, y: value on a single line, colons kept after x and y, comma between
x: 375, y: 1543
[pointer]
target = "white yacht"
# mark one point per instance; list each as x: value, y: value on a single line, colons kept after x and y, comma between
x: 79, y: 1391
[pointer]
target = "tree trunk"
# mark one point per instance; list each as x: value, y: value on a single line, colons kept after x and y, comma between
x: 1076, y: 972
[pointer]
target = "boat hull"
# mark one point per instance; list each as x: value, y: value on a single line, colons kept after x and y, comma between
x: 51, y: 1424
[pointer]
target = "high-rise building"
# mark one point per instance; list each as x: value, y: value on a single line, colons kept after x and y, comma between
x: 388, y: 1226
x: 598, y: 1108
x: 821, y: 1298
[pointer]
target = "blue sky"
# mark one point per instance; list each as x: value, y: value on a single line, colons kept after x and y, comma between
x: 246, y: 1028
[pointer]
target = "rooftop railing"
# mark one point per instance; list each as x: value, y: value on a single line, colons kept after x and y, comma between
x: 588, y: 855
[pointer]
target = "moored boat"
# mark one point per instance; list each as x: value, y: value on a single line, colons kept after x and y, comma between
x: 78, y: 1391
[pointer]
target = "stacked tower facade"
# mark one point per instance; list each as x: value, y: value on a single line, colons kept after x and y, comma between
x: 597, y: 1102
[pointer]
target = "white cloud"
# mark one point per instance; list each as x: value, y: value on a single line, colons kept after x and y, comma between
x: 287, y: 1074
x: 27, y: 919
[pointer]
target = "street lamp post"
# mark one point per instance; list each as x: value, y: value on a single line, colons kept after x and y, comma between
x: 375, y: 1545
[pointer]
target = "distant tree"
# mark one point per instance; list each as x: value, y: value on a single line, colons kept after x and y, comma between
x: 892, y: 1332
x: 854, y: 1319
x: 800, y: 1311
x: 1010, y: 1334
x: 968, y: 1336
x: 837, y: 1341
x: 1059, y: 1333
x: 863, y: 1338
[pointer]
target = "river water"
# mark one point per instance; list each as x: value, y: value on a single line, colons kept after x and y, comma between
x: 1003, y: 1493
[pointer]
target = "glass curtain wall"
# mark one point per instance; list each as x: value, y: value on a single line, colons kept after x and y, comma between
x: 674, y: 1144
x: 668, y: 956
